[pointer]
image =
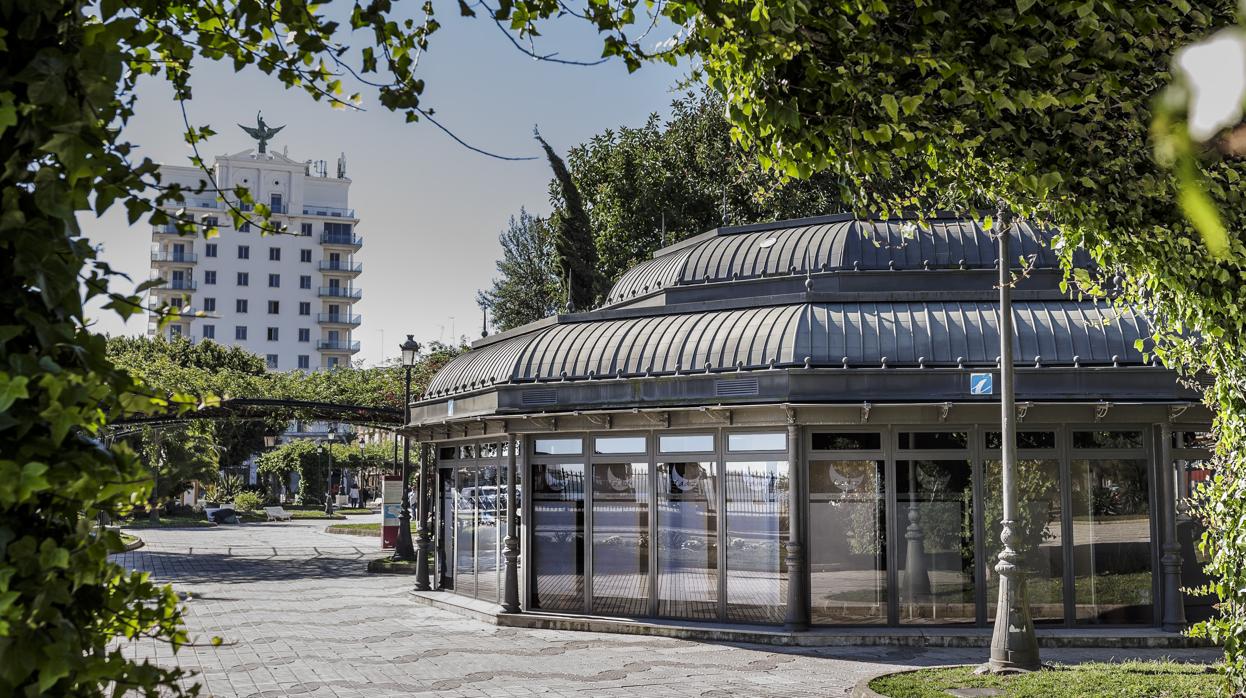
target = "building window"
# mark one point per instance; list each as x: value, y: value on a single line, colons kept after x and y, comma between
x: 209, y: 331
x: 244, y: 252
x: 274, y: 307
x: 304, y: 308
x: 305, y: 281
x: 271, y: 360
x: 240, y: 305
x: 175, y: 331
x: 210, y: 222
x: 209, y: 250
x: 240, y: 332
x: 306, y: 230
x: 209, y: 277
x: 274, y: 254
x: 272, y: 334
x: 332, y: 362
x: 305, y: 255
x: 209, y: 305
x: 245, y: 227
x: 304, y: 334
x: 274, y: 280
x: 304, y: 361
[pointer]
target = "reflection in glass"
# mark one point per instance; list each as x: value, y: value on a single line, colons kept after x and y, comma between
x: 1112, y: 541
x: 554, y: 447
x: 445, y: 530
x: 1039, y: 535
x: 848, y: 541
x: 757, y: 527
x: 757, y: 442
x: 558, y: 536
x: 934, y: 519
x: 843, y: 441
x: 619, y: 444
x: 687, y: 540
x: 465, y: 531
x: 487, y: 533
x: 686, y: 443
x: 621, y: 539
x: 934, y: 439
x: 1025, y: 439
x: 1107, y: 439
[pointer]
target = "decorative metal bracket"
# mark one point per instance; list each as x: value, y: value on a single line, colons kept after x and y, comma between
x: 790, y: 413
x: 718, y: 415
x: 543, y: 423
x: 1023, y: 408
x: 600, y: 420
x: 1175, y: 411
x: 943, y: 410
x: 1101, y: 410
x: 865, y: 412
x: 659, y: 419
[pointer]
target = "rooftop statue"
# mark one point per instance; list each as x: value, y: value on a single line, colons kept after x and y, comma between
x: 262, y: 131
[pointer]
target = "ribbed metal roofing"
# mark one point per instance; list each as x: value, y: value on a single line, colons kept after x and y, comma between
x: 941, y: 243
x: 824, y: 334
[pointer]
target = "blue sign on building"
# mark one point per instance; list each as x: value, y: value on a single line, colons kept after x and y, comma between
x: 981, y: 384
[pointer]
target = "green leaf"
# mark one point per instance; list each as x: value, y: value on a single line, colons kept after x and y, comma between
x: 893, y: 109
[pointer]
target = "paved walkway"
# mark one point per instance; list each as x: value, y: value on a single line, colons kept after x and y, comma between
x: 299, y: 617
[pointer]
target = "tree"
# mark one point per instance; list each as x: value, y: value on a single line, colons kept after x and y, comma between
x: 573, y: 238
x: 527, y: 286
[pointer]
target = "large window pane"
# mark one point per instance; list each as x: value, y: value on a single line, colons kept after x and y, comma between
x: 848, y: 541
x: 687, y: 540
x: 1112, y: 541
x: 619, y: 444
x: 558, y: 537
x: 621, y: 539
x: 487, y: 535
x: 1107, y: 439
x: 917, y: 440
x: 934, y: 520
x: 686, y: 443
x: 757, y: 528
x: 843, y: 441
x: 555, y: 447
x: 445, y: 530
x: 465, y: 531
x: 1039, y: 533
x: 757, y: 442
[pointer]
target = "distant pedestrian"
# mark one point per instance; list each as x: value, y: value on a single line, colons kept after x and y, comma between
x: 354, y: 496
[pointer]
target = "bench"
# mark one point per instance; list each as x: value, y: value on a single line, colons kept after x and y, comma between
x: 278, y: 514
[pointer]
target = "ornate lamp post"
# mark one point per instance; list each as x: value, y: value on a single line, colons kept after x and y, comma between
x: 403, y: 549
x: 1013, y: 644
x: 328, y: 489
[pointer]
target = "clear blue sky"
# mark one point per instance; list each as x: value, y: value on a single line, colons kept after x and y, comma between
x: 430, y: 209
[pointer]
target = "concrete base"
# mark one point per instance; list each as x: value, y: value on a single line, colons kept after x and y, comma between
x: 1122, y: 638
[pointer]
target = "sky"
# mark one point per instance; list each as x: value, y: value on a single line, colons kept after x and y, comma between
x: 430, y: 210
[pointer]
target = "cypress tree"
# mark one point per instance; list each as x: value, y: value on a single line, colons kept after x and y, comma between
x: 574, y: 247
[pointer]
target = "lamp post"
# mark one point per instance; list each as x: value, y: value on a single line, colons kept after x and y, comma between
x: 1014, y: 647
x: 328, y: 492
x: 404, y: 549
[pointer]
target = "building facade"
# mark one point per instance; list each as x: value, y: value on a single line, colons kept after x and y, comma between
x: 288, y: 297
x: 794, y: 424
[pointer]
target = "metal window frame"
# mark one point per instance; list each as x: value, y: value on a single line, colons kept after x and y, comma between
x: 592, y: 458
x: 727, y: 456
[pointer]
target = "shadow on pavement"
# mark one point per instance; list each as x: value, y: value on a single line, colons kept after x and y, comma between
x: 223, y: 568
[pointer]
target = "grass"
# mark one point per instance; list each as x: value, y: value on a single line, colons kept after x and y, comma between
x: 169, y: 522
x: 387, y: 565
x: 356, y: 529
x: 1134, y: 679
x: 353, y: 511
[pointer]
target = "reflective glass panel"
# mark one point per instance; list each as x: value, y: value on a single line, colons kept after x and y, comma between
x: 489, y: 450
x: 757, y: 530
x: 621, y: 539
x: 934, y: 521
x: 558, y: 447
x: 619, y: 444
x: 1025, y: 439
x: 1040, y: 535
x: 848, y: 541
x: 917, y: 440
x: 1112, y: 541
x: 686, y: 443
x: 687, y: 540
x: 446, y: 453
x: 465, y: 531
x: 558, y: 537
x: 468, y: 451
x: 844, y: 441
x: 488, y: 537
x: 445, y: 530
x: 1107, y: 439
x: 1191, y: 477
x: 757, y: 442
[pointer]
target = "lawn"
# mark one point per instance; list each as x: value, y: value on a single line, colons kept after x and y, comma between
x: 1156, y: 679
x: 169, y: 522
x: 356, y: 529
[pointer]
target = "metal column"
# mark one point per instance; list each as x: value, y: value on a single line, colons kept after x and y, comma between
x: 1174, y: 600
x: 798, y: 513
x: 510, y: 544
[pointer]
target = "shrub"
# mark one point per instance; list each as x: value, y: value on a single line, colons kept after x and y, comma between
x: 248, y: 501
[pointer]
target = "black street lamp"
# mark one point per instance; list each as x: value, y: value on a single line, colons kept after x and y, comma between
x: 328, y: 492
x: 404, y: 549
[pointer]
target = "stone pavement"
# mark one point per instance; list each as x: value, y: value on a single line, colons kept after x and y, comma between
x: 299, y: 617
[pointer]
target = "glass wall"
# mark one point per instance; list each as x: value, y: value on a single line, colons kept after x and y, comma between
x: 757, y: 532
x: 621, y: 538
x: 687, y: 526
x: 1040, y: 535
x: 465, y: 530
x: 847, y: 568
x: 557, y: 528
x: 488, y: 532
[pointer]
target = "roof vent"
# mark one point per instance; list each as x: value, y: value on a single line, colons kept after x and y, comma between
x: 542, y: 396
x: 733, y: 387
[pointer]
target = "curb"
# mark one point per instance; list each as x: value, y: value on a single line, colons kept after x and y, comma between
x: 862, y: 688
x: 133, y: 546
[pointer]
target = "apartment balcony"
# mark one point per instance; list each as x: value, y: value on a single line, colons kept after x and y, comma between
x: 328, y: 211
x: 331, y: 267
x: 174, y: 257
x: 339, y: 319
x: 340, y: 292
x: 337, y: 345
x: 339, y: 240
x: 176, y: 286
x: 165, y: 230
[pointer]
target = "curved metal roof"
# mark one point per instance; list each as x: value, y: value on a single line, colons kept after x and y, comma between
x: 805, y: 334
x: 795, y: 248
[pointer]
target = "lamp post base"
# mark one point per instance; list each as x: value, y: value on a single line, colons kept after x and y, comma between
x: 1014, y: 647
x: 421, y: 563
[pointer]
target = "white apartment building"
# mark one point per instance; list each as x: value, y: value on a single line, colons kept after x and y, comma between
x: 287, y: 297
